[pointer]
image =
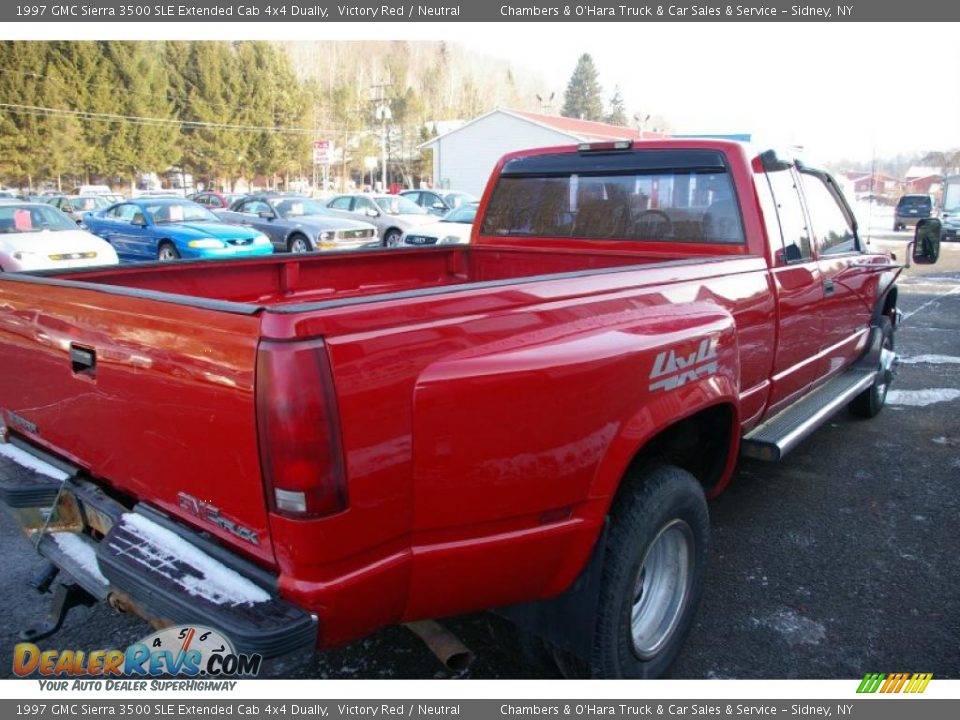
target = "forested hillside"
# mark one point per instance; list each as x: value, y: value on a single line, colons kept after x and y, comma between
x: 109, y: 110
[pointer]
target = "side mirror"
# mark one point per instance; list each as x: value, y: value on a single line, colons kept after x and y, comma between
x: 926, y: 241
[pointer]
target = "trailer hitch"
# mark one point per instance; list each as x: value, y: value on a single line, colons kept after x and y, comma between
x: 65, y: 597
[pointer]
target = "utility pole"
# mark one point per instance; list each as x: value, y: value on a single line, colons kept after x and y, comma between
x: 383, y: 115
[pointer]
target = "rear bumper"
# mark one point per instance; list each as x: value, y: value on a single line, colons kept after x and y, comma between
x: 909, y: 220
x: 146, y: 563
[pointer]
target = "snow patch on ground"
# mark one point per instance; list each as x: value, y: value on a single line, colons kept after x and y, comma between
x: 21, y: 457
x: 794, y: 628
x: 165, y: 549
x: 82, y: 553
x: 931, y: 360
x: 922, y: 398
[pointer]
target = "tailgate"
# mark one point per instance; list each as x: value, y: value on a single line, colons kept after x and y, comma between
x: 155, y: 398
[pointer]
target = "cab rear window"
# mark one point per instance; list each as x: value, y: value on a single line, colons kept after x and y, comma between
x: 647, y: 195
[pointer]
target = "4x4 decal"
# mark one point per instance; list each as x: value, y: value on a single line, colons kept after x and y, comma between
x: 671, y: 369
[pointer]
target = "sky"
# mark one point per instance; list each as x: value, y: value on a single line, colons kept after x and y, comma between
x: 839, y: 90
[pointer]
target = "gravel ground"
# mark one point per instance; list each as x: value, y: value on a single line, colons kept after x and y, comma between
x: 841, y: 560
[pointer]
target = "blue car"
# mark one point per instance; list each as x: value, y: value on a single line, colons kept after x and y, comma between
x: 170, y: 228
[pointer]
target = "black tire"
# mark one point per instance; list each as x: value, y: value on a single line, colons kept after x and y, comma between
x: 870, y: 402
x: 659, y: 515
x: 167, y: 251
x: 392, y: 238
x: 298, y: 244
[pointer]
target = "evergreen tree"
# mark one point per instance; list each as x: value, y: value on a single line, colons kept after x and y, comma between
x: 582, y: 98
x: 618, y: 111
x: 21, y: 130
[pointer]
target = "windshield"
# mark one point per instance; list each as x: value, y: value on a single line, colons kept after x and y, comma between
x: 85, y: 204
x: 167, y: 213
x: 33, y: 218
x: 463, y: 214
x: 456, y: 199
x: 298, y: 207
x: 396, y: 205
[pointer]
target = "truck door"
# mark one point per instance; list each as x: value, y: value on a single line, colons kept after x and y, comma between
x: 849, y: 285
x: 798, y: 286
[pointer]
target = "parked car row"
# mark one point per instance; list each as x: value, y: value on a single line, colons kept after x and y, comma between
x: 161, y: 227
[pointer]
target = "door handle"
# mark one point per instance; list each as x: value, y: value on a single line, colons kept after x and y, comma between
x: 83, y: 361
x: 828, y: 287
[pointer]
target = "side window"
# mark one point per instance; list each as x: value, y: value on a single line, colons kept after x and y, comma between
x: 123, y: 212
x: 793, y: 223
x: 340, y: 203
x: 362, y: 204
x: 416, y: 197
x: 830, y: 223
x: 253, y: 207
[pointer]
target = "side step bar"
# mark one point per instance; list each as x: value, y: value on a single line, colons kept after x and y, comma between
x: 784, y: 431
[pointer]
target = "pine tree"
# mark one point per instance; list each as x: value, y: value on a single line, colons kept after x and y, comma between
x: 21, y: 130
x: 618, y: 111
x: 583, y: 96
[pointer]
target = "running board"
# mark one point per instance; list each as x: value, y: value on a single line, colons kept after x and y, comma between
x: 784, y: 431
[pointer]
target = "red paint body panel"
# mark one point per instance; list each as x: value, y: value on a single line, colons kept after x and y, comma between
x: 489, y: 397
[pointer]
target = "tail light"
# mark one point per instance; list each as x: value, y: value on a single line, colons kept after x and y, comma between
x: 301, y: 456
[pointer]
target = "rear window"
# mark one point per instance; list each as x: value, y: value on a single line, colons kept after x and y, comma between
x: 647, y: 195
x: 914, y: 201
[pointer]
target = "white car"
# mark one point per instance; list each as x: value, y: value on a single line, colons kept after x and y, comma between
x: 453, y: 229
x: 34, y: 236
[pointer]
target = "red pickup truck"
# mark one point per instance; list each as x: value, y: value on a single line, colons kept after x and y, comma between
x: 299, y: 450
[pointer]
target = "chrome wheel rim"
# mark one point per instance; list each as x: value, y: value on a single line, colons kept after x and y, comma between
x: 886, y: 365
x: 662, y: 588
x: 167, y: 253
x: 298, y: 246
x: 393, y: 240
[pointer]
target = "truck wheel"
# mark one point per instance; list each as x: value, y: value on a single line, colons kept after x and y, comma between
x: 870, y: 402
x: 167, y: 252
x: 652, y: 575
x: 298, y: 244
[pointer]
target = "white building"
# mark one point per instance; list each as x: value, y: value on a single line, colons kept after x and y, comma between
x: 464, y: 158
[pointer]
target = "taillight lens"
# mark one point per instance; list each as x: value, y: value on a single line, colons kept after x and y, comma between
x: 297, y: 423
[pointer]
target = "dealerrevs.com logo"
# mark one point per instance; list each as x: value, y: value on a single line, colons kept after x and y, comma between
x: 190, y: 651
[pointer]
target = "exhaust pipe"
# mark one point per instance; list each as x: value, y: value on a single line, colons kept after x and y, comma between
x: 444, y: 644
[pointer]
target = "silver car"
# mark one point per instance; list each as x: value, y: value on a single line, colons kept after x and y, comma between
x: 299, y: 224
x: 76, y: 205
x: 393, y: 215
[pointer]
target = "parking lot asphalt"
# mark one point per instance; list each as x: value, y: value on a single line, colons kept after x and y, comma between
x: 841, y: 560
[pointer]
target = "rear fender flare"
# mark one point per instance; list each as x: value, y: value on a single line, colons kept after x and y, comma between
x: 664, y: 409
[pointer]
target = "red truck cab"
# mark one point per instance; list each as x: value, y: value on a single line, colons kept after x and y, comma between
x: 530, y: 423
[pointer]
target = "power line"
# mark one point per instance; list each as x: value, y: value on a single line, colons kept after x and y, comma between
x: 157, y: 122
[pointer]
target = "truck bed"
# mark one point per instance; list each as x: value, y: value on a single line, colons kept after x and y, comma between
x: 288, y: 280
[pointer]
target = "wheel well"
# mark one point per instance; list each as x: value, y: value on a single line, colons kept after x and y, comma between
x: 890, y: 302
x: 391, y: 230
x: 700, y: 444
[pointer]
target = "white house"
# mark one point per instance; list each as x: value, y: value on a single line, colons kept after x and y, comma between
x: 464, y: 158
